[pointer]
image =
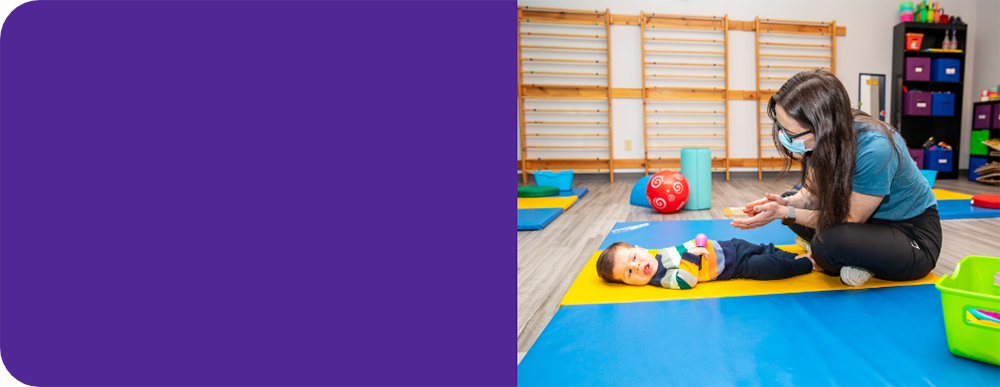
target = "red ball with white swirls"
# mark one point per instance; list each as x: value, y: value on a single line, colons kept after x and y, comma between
x: 667, y: 191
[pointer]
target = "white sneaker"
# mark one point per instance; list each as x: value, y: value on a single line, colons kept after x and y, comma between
x: 803, y: 244
x: 854, y: 276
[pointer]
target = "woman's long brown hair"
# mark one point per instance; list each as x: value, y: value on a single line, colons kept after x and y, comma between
x: 818, y: 101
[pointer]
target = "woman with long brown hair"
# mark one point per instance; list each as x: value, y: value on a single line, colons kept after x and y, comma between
x: 864, y: 208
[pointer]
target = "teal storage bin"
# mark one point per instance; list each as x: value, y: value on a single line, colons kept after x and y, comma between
x: 562, y: 180
x: 696, y: 166
x: 965, y: 294
x: 930, y: 175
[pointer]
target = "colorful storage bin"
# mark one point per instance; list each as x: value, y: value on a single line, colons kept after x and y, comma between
x: 996, y: 116
x: 983, y: 116
x: 946, y: 70
x: 918, y: 69
x: 942, y: 104
x: 937, y: 160
x: 916, y: 103
x: 976, y: 146
x: 967, y: 292
x: 930, y: 176
x: 562, y: 180
x: 975, y: 162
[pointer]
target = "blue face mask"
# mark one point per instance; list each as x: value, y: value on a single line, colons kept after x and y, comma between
x: 794, y: 146
x: 790, y: 142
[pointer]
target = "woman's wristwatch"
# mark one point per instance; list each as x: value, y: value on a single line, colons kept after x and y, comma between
x: 790, y: 218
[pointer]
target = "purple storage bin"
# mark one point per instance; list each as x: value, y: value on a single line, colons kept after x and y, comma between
x: 918, y: 69
x: 918, y: 157
x: 983, y: 116
x: 996, y: 116
x: 917, y: 103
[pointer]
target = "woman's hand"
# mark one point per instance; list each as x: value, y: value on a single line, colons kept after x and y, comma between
x: 749, y: 208
x: 764, y: 214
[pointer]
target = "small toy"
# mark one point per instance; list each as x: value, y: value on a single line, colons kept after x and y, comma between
x: 701, y: 240
x: 667, y: 191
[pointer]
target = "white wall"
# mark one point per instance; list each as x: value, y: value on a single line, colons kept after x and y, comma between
x: 987, y: 63
x: 866, y: 49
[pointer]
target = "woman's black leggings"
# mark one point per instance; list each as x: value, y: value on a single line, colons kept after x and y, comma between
x: 900, y: 250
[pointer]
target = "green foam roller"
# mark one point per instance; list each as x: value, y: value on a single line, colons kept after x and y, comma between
x: 537, y: 191
x: 696, y: 166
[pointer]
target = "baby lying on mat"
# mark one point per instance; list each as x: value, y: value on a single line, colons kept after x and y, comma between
x: 682, y: 267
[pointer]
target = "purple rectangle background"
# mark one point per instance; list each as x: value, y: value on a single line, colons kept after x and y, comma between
x: 257, y: 193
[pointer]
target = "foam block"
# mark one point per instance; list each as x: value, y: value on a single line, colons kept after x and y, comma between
x: 549, y: 202
x: 696, y: 166
x: 886, y: 336
x: 638, y: 195
x: 588, y: 288
x: 536, y: 218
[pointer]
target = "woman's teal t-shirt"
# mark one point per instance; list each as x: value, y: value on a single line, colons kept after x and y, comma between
x: 878, y: 171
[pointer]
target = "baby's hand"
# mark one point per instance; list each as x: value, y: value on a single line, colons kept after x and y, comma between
x: 698, y: 251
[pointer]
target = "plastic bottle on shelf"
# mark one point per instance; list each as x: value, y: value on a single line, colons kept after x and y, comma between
x: 946, y: 43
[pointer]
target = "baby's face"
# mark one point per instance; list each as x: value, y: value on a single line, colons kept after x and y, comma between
x: 634, y: 266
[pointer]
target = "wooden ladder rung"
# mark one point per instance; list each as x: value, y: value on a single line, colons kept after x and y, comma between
x: 793, y: 67
x: 686, y: 146
x: 565, y: 146
x: 688, y: 52
x: 683, y: 17
x: 563, y: 86
x: 567, y: 122
x: 553, y: 97
x: 794, y: 44
x: 567, y: 159
x: 563, y: 35
x: 658, y: 63
x: 653, y: 26
x: 562, y: 10
x: 685, y: 123
x: 559, y: 73
x: 564, y: 48
x: 687, y: 40
x: 563, y: 60
x: 568, y: 110
x: 686, y: 111
x: 566, y: 134
x: 798, y: 56
x: 686, y: 135
x: 685, y: 76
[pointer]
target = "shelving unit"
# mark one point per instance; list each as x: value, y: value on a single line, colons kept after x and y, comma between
x: 917, y: 129
x: 565, y: 79
x: 992, y: 125
x: 685, y: 105
x: 790, y: 46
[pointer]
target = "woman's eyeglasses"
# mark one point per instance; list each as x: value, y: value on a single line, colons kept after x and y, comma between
x: 790, y: 136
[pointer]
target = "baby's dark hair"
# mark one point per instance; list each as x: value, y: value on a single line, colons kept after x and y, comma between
x: 606, y: 262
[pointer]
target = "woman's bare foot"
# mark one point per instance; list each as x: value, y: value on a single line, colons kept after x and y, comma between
x: 809, y: 256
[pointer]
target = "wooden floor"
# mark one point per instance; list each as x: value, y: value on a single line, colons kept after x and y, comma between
x: 549, y: 260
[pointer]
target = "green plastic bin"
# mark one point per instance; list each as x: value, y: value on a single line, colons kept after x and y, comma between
x: 971, y: 286
x: 976, y: 146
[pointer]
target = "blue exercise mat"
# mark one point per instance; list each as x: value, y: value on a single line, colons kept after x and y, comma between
x: 868, y: 337
x: 963, y: 209
x: 654, y: 235
x: 536, y: 218
x: 579, y: 192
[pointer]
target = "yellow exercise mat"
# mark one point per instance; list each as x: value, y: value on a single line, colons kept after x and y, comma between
x: 588, y: 288
x: 733, y: 211
x: 563, y: 202
x: 941, y: 194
